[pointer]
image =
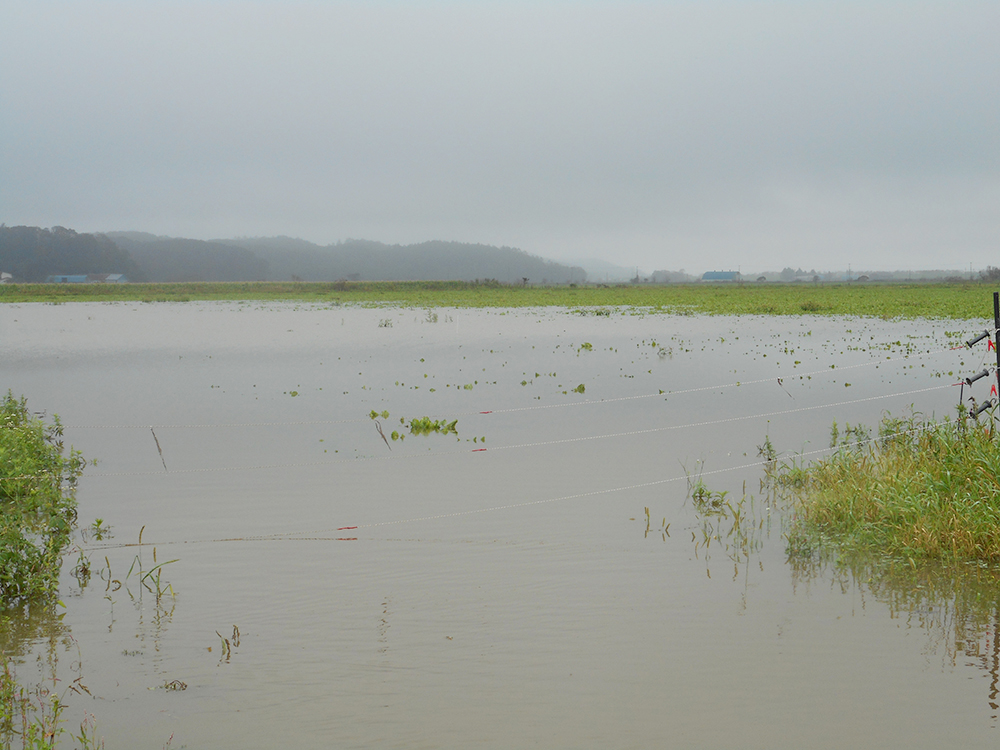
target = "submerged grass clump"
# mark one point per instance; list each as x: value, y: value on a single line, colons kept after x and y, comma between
x: 37, y: 503
x: 921, y: 489
x: 37, y: 516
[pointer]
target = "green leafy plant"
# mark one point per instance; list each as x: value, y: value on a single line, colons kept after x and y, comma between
x: 37, y: 502
x: 427, y: 426
x: 99, y: 530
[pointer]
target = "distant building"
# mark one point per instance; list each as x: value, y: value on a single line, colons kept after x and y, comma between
x: 721, y: 276
x: 87, y: 278
x: 71, y: 279
x: 6, y: 278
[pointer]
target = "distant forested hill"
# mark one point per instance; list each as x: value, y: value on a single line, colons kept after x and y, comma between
x: 375, y: 261
x: 164, y: 259
x: 30, y: 254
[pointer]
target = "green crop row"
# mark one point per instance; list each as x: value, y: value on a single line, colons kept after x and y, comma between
x: 890, y: 300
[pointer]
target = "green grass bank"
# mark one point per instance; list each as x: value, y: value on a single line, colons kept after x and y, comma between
x: 929, y: 300
x: 37, y: 503
x: 37, y: 515
x: 919, y: 491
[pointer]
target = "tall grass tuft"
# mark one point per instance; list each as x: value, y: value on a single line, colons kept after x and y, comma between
x: 920, y: 490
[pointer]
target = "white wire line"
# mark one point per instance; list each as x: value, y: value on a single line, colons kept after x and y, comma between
x: 296, y: 536
x: 725, y: 420
x: 514, y: 409
x: 537, y: 444
x: 734, y: 384
x: 218, y: 425
x: 535, y: 407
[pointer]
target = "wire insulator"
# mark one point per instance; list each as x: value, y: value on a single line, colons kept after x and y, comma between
x: 972, y: 342
x: 988, y: 404
x: 973, y: 378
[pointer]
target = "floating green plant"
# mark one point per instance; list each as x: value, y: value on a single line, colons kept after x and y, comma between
x: 705, y: 500
x: 428, y: 426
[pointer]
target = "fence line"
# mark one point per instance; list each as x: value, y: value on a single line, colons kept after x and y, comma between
x: 296, y: 536
x: 537, y: 444
x: 528, y: 408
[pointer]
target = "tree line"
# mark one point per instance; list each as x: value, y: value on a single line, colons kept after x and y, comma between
x: 32, y: 254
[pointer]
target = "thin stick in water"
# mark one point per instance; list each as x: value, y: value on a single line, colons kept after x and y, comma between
x: 158, y: 448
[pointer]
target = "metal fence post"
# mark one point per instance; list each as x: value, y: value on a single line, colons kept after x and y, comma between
x: 996, y: 335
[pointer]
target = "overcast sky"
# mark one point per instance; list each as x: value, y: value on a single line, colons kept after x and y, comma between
x: 699, y: 135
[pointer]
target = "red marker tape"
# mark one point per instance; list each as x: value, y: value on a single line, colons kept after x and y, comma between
x: 478, y: 450
x: 345, y: 528
x: 486, y: 412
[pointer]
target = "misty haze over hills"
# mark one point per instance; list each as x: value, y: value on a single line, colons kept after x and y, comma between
x: 288, y: 258
x: 31, y: 254
x: 369, y: 260
x: 712, y: 135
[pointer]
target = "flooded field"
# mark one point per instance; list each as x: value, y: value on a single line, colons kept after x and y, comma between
x: 536, y: 575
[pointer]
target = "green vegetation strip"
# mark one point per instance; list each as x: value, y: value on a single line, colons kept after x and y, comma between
x: 920, y: 491
x: 37, y: 503
x: 929, y: 300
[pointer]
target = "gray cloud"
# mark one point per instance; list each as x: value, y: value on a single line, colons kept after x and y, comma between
x: 709, y: 134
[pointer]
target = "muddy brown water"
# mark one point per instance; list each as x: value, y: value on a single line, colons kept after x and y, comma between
x: 506, y: 597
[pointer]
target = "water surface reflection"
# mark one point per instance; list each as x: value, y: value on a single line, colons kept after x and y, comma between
x: 513, y: 596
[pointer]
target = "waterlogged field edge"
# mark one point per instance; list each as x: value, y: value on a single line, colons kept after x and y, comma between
x: 918, y: 300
